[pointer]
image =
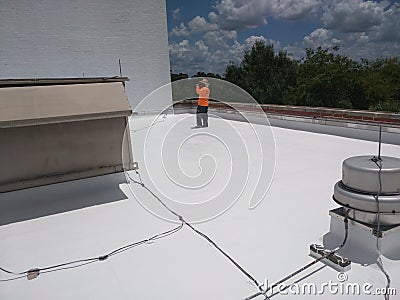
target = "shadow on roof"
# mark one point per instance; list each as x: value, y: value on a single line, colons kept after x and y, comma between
x: 53, y: 199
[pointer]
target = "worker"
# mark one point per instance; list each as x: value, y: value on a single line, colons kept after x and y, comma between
x: 203, y: 90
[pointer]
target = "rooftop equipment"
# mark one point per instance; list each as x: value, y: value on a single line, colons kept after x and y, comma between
x: 55, y: 130
x: 370, y: 188
x: 369, y: 199
x: 369, y: 196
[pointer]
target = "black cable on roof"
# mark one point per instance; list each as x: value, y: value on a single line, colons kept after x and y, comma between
x: 164, y: 117
x: 378, y: 163
x: 82, y: 262
x: 302, y: 269
x: 203, y: 235
x: 379, y: 263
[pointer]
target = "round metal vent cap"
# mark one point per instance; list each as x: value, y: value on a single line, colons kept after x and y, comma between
x: 361, y: 173
x: 365, y: 202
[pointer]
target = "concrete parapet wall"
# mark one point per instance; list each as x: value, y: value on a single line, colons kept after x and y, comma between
x: 306, y: 111
x: 339, y: 122
x: 334, y: 113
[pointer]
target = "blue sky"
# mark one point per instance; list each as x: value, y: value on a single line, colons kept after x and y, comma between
x: 207, y: 35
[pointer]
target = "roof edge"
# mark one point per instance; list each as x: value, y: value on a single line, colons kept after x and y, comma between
x: 21, y: 82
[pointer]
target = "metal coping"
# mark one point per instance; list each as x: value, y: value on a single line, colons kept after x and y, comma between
x: 312, y: 114
x: 21, y: 82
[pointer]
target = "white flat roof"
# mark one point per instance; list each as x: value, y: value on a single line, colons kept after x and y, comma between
x: 88, y: 218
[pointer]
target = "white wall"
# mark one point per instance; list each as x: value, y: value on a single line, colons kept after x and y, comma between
x: 66, y: 38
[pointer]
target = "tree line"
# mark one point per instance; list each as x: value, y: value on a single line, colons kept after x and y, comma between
x: 322, y: 78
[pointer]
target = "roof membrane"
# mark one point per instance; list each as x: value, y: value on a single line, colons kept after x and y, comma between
x: 91, y: 217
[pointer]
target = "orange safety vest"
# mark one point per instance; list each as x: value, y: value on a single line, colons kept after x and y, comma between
x: 204, y: 94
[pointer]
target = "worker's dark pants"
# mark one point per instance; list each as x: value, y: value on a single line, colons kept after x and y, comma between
x: 202, y: 116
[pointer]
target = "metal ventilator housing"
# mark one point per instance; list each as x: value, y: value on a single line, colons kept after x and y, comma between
x: 368, y: 183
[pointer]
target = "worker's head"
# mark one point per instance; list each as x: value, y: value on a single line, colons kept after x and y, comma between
x: 204, y: 82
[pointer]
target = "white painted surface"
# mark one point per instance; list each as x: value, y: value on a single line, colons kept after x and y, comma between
x: 68, y: 38
x: 270, y: 241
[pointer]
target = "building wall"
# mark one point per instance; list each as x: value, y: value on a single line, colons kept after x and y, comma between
x: 43, y: 154
x: 69, y: 38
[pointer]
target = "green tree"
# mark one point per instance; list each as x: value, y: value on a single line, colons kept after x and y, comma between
x: 175, y: 77
x: 209, y: 75
x: 325, y: 79
x: 234, y: 74
x: 380, y: 82
x: 264, y: 74
x: 322, y: 78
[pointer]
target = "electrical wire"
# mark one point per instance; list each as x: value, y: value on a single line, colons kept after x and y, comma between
x: 302, y: 269
x: 378, y: 163
x: 164, y: 117
x: 12, y: 279
x: 10, y: 272
x: 379, y: 263
x: 346, y: 222
x: 68, y: 268
x: 84, y: 262
x: 203, y: 235
x: 375, y: 160
x: 297, y: 281
x: 329, y: 254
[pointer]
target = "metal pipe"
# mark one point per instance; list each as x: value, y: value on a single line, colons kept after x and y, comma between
x: 380, y: 142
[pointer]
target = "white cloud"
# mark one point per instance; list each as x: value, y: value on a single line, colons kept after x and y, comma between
x: 176, y: 13
x: 353, y: 15
x: 361, y: 29
x: 212, y: 53
x: 389, y: 29
x: 340, y: 15
x: 185, y: 56
x: 319, y: 38
x: 180, y: 50
x: 250, y: 41
x: 230, y: 34
x: 240, y: 14
x: 201, y: 46
x: 219, y: 38
x: 234, y: 14
x: 196, y: 25
x: 199, y: 24
x: 213, y: 17
x: 355, y: 45
x: 182, y: 30
x: 296, y: 9
x: 378, y: 21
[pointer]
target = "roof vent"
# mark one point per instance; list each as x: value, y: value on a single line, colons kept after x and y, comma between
x: 366, y: 226
x: 367, y: 223
x: 370, y: 186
